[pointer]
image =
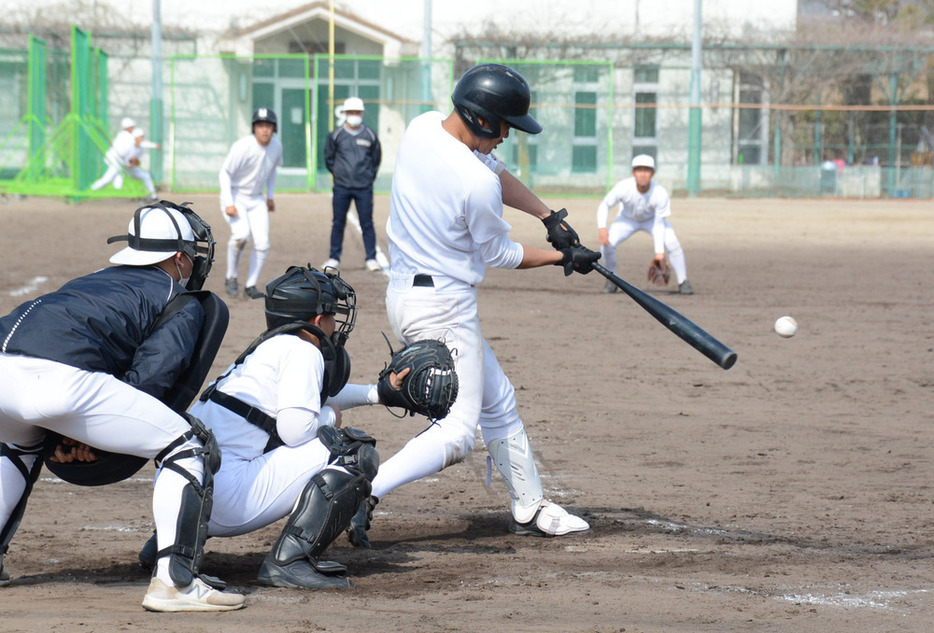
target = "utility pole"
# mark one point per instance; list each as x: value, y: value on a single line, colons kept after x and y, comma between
x: 156, y: 104
x: 694, y: 114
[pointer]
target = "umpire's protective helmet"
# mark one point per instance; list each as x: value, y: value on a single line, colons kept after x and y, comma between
x: 494, y: 92
x: 265, y: 115
x: 302, y: 293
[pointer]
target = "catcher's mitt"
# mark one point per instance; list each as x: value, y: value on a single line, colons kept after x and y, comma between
x: 134, y: 162
x: 430, y: 387
x: 658, y: 273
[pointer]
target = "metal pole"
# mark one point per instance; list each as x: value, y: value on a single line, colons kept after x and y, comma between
x: 694, y: 113
x: 426, y: 58
x: 156, y: 104
x: 331, y: 115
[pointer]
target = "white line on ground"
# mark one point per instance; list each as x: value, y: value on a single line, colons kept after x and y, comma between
x: 30, y: 287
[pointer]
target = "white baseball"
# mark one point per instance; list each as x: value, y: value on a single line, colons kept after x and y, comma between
x: 786, y: 326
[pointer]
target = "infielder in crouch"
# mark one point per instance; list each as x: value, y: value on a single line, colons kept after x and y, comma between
x: 276, y: 413
x: 445, y: 226
x: 88, y: 362
x: 644, y: 205
x: 124, y: 156
x: 248, y: 170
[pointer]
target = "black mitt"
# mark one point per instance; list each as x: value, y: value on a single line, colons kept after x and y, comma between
x: 430, y: 388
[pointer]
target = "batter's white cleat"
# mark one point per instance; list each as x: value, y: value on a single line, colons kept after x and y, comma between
x: 373, y: 266
x: 549, y: 520
x: 197, y: 596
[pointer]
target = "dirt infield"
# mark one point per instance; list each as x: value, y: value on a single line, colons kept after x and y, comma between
x: 790, y: 493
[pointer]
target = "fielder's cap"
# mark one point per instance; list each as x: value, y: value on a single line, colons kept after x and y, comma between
x: 154, y: 224
x: 353, y: 104
x: 127, y: 122
x: 138, y: 132
x: 643, y: 160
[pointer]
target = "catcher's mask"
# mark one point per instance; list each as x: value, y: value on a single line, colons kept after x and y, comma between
x: 302, y: 293
x: 494, y: 92
x: 161, y: 229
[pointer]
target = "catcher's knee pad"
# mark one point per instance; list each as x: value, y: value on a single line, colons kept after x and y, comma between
x: 15, y: 454
x: 513, y: 458
x: 324, y: 510
x: 351, y: 448
x: 197, y: 499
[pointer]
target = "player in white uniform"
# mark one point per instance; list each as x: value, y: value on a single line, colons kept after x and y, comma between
x: 644, y: 205
x: 89, y: 362
x: 120, y: 157
x: 248, y: 170
x: 275, y: 413
x: 445, y: 226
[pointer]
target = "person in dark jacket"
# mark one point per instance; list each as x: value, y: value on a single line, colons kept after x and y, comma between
x: 352, y: 155
x: 89, y: 362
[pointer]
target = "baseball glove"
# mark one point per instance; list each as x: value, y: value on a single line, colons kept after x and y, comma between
x: 430, y: 387
x: 134, y: 162
x: 658, y: 272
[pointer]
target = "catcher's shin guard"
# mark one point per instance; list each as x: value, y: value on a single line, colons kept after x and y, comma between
x: 532, y: 514
x: 191, y: 529
x: 14, y: 455
x: 323, y: 511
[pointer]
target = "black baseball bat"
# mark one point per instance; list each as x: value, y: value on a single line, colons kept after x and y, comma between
x: 690, y: 332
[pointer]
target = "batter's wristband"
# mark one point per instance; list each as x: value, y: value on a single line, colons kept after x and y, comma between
x: 554, y: 218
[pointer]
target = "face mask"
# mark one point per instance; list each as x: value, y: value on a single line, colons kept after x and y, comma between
x: 183, y: 280
x: 354, y: 120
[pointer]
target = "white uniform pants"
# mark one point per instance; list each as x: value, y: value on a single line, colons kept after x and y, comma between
x: 97, y: 409
x: 252, y: 493
x: 485, y: 396
x: 251, y: 221
x: 622, y: 228
x: 113, y: 175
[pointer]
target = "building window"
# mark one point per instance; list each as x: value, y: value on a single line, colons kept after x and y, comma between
x: 584, y: 143
x: 645, y: 117
x: 750, y: 138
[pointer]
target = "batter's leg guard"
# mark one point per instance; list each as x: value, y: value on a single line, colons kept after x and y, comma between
x: 532, y: 514
x: 14, y: 454
x: 323, y: 511
x: 191, y: 529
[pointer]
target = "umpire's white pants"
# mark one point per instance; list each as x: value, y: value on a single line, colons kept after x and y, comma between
x: 485, y: 396
x: 98, y: 410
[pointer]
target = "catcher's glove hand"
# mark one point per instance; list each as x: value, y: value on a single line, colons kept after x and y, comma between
x: 134, y: 162
x: 658, y: 272
x: 430, y: 387
x: 560, y: 234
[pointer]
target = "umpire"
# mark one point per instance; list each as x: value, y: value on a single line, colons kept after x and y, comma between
x: 90, y: 362
x: 352, y: 155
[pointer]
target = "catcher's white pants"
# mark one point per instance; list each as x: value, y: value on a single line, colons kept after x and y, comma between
x: 252, y: 221
x: 622, y: 228
x: 252, y: 493
x: 96, y: 409
x: 485, y: 396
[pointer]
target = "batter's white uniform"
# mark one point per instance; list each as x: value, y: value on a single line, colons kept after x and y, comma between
x: 446, y: 221
x: 282, y: 377
x: 647, y: 212
x: 248, y: 171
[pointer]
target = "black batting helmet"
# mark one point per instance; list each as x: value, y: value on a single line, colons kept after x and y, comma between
x: 302, y: 293
x: 494, y: 92
x: 266, y: 115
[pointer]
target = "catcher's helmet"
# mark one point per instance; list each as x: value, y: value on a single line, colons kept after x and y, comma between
x: 494, y: 92
x: 267, y: 115
x: 302, y: 293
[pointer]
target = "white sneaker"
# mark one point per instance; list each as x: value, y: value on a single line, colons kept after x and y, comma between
x: 331, y: 263
x: 551, y: 520
x: 373, y: 266
x: 197, y: 596
x: 118, y: 182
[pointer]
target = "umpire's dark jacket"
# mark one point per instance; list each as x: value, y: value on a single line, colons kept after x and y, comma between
x: 353, y: 159
x: 104, y: 322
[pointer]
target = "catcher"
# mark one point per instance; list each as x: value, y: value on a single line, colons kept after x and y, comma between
x: 277, y: 416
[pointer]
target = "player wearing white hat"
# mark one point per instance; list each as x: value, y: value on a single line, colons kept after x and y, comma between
x: 248, y: 171
x: 644, y: 205
x: 119, y: 158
